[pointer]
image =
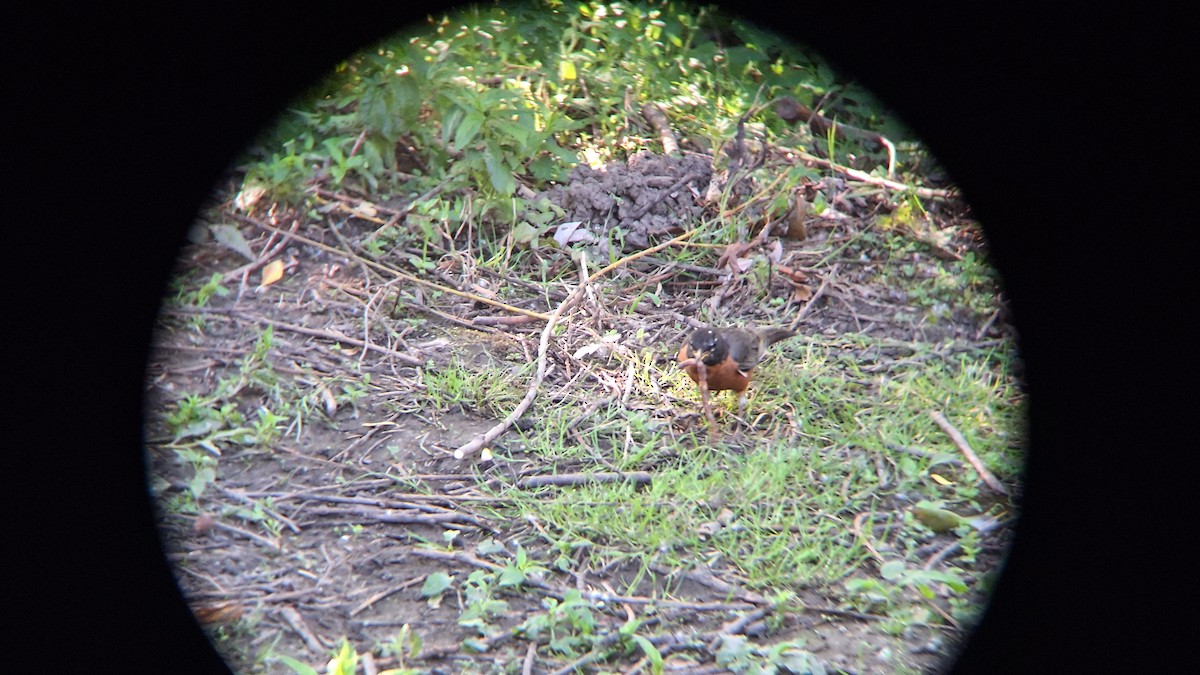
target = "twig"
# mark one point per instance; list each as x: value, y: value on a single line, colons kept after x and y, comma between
x: 456, y: 556
x: 492, y: 434
x: 653, y: 249
x: 941, y: 555
x: 269, y: 511
x: 737, y: 626
x: 293, y: 619
x: 397, y: 273
x: 225, y: 527
x: 918, y: 452
x: 573, y: 479
x: 337, y: 337
x: 477, y: 443
x: 397, y: 215
x: 449, y: 520
x: 657, y: 118
x: 265, y: 257
x: 386, y: 592
x: 530, y: 652
x: 986, y: 325
x: 500, y: 320
x: 862, y: 176
x: 663, y: 194
x: 966, y: 450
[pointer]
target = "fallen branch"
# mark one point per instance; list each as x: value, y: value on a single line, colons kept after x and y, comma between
x: 966, y: 450
x: 476, y: 444
x: 658, y: 119
x: 292, y: 618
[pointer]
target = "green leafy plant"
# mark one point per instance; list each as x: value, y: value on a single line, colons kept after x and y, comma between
x: 739, y: 655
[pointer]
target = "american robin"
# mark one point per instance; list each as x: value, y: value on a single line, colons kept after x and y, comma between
x: 726, y: 357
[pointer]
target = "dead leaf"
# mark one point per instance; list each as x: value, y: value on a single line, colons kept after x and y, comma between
x: 801, y: 293
x: 272, y: 272
x: 203, y: 523
x: 794, y: 275
x: 364, y: 210
x: 329, y: 401
x: 570, y: 233
x: 219, y: 613
x: 231, y: 238
x: 732, y: 253
x: 248, y: 197
x: 796, y: 229
x: 774, y: 252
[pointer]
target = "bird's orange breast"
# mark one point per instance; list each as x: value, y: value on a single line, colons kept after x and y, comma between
x: 722, y: 376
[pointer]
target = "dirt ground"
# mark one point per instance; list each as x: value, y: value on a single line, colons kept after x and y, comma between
x: 359, y: 487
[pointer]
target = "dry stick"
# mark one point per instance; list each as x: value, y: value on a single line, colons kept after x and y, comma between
x: 225, y: 527
x: 530, y: 652
x: 737, y: 626
x: 476, y: 444
x: 645, y: 208
x: 558, y: 592
x: 986, y: 325
x: 966, y: 450
x: 269, y: 511
x: 657, y: 118
x: 653, y: 249
x: 293, y: 619
x: 572, y: 479
x: 444, y: 520
x: 396, y: 273
x: 386, y: 592
x: 862, y: 176
x: 338, y: 337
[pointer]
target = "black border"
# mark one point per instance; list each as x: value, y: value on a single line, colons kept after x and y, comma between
x: 1066, y: 128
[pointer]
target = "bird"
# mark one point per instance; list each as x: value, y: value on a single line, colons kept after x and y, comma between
x: 720, y: 359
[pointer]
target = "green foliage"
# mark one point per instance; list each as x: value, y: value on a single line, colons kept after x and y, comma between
x: 888, y: 593
x: 481, y: 101
x: 739, y: 655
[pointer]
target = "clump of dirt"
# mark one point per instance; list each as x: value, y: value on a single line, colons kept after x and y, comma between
x: 638, y: 201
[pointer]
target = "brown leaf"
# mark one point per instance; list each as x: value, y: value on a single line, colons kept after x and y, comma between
x: 796, y: 228
x: 732, y: 253
x: 801, y: 293
x: 203, y: 523
x: 272, y: 272
x: 219, y: 613
x: 794, y: 275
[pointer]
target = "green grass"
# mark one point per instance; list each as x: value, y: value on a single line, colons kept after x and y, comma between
x: 786, y: 492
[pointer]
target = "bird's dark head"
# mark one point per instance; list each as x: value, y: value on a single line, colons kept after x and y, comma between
x: 708, y: 346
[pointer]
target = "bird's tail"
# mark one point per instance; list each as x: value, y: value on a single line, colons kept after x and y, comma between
x: 772, y: 335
